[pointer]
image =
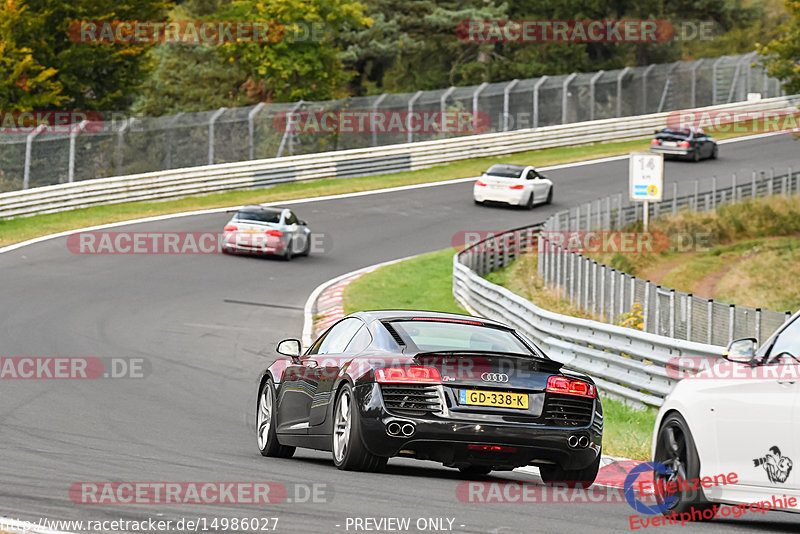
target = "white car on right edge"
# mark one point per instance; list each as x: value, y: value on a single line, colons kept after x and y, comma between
x: 516, y: 185
x: 742, y: 417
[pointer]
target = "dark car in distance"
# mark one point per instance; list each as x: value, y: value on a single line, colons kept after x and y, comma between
x: 691, y: 143
x: 464, y: 391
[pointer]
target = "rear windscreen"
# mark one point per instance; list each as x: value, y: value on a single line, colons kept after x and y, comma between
x: 504, y: 171
x: 432, y: 335
x: 259, y: 216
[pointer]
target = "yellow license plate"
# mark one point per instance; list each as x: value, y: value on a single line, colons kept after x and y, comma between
x: 498, y: 399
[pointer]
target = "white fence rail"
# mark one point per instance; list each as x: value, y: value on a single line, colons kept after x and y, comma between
x: 625, y: 363
x: 340, y: 164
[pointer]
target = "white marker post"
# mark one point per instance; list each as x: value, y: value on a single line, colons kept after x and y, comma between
x: 646, y: 180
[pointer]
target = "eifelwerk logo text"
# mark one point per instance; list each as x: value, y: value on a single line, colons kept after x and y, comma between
x: 365, y: 121
x: 72, y: 368
x: 204, y: 493
x: 181, y: 242
x: 565, y: 31
x: 738, y: 121
x: 25, y: 122
x: 184, y: 32
x: 700, y: 368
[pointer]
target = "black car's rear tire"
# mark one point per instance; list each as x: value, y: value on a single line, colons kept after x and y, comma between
x: 571, y: 477
x: 676, y: 450
x: 349, y: 452
x: 696, y: 155
x: 714, y: 153
x: 265, y: 424
x: 475, y: 470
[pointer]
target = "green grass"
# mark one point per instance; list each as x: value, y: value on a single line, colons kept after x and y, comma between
x: 425, y: 282
x: 422, y: 283
x: 627, y: 431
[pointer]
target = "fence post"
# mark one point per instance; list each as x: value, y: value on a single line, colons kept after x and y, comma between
x: 592, y: 99
x: 607, y: 222
x: 26, y: 176
x: 564, y: 99
x: 621, y: 292
x: 672, y: 313
x: 73, y: 132
x: 619, y: 211
x: 689, y: 306
x: 443, y: 108
x: 211, y: 122
x: 714, y: 192
x: 286, y: 133
x: 696, y: 191
x: 753, y: 192
x: 251, y: 129
x: 411, y: 101
x: 594, y: 287
x: 758, y: 325
x: 657, y: 321
x: 771, y: 183
x: 611, y: 280
x: 173, y: 120
x: 536, y: 86
x: 646, y: 305
x: 644, y: 88
x: 694, y: 81
x: 375, y: 105
x: 572, y: 278
x: 602, y: 310
x: 733, y: 188
x: 632, y: 300
x: 620, y: 77
x: 714, y: 81
x: 710, y: 319
x: 475, y: 96
x: 784, y: 189
x: 506, y: 90
x: 731, y: 320
x: 586, y: 292
x: 674, y: 198
x: 120, y: 141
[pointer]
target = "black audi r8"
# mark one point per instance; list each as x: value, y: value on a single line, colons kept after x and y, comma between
x: 465, y: 391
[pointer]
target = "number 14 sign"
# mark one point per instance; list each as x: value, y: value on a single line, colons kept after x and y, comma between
x: 646, y: 176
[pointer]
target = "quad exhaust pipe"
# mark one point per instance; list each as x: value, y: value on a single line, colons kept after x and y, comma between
x: 397, y: 429
x: 578, y: 442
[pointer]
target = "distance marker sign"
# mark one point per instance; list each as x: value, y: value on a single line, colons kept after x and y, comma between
x: 646, y: 175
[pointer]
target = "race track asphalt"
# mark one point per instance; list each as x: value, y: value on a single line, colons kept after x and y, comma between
x: 206, y: 324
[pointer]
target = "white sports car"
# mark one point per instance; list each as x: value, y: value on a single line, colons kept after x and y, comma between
x: 513, y: 184
x: 739, y: 417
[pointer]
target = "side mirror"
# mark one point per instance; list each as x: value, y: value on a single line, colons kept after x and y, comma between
x: 741, y: 350
x: 291, y: 348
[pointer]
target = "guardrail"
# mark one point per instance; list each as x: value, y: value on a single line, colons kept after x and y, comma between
x: 340, y: 164
x: 608, y: 292
x: 625, y: 363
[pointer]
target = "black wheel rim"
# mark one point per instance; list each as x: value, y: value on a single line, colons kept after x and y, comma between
x: 672, y: 452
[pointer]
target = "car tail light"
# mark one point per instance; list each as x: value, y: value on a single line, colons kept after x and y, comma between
x: 655, y: 142
x: 684, y: 144
x: 569, y: 386
x: 493, y: 448
x: 417, y: 374
x: 517, y: 187
x: 231, y: 228
x: 276, y: 233
x: 480, y: 184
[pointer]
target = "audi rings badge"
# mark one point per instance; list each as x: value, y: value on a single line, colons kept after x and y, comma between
x: 494, y: 377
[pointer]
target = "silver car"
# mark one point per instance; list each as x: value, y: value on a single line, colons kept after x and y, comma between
x: 268, y: 231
